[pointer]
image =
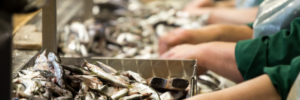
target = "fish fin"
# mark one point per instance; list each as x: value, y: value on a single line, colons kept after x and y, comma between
x: 44, y: 52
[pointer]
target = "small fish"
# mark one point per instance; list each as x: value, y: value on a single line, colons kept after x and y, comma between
x: 41, y: 62
x: 137, y: 96
x: 91, y: 81
x: 142, y: 88
x: 135, y: 76
x: 46, y: 73
x: 105, y: 76
x: 58, y: 70
x: 79, y: 97
x: 107, y: 68
x: 76, y: 70
x: 120, y: 94
x: 67, y: 95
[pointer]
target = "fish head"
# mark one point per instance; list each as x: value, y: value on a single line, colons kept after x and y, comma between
x: 53, y: 57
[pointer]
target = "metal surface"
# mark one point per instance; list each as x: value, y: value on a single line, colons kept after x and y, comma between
x: 184, y: 69
x: 21, y: 57
x: 49, y: 27
x: 88, y: 6
x: 194, y: 90
x: 147, y: 68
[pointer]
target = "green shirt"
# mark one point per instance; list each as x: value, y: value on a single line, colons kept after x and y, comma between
x: 276, y: 55
x: 250, y: 25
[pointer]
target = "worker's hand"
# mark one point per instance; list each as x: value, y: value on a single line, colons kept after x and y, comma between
x: 175, y: 37
x: 191, y: 36
x: 196, y: 4
x: 186, y: 51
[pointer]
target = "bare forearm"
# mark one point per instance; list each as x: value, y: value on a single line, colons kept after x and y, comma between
x: 219, y: 57
x: 232, y: 15
x: 226, y: 3
x: 260, y: 88
x: 221, y: 32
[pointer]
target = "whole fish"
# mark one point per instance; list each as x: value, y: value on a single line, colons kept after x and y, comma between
x: 41, y: 62
x: 76, y: 70
x: 135, y: 76
x: 91, y: 81
x: 58, y: 70
x: 120, y: 94
x: 142, y: 88
x: 107, y: 68
x: 137, y: 96
x: 101, y: 91
x: 67, y: 95
x: 105, y: 76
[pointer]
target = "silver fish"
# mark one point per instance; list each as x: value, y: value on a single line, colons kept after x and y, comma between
x: 41, y: 63
x: 107, y: 68
x: 135, y: 76
x: 105, y: 76
x: 142, y: 88
x: 58, y: 70
x: 91, y: 81
x: 76, y: 70
x: 136, y: 96
x: 120, y: 94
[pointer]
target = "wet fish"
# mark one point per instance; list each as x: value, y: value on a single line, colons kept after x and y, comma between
x: 46, y: 73
x: 142, y: 88
x: 67, y: 95
x: 29, y: 84
x: 79, y: 97
x: 105, y: 76
x: 58, y: 70
x: 135, y: 76
x: 76, y: 70
x: 91, y: 81
x: 107, y: 68
x: 137, y: 96
x: 120, y: 94
x: 20, y: 91
x: 41, y: 62
x: 101, y: 91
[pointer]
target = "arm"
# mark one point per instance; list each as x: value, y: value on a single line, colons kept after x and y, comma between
x: 259, y: 88
x: 227, y: 15
x: 217, y: 32
x: 196, y: 4
x: 215, y: 56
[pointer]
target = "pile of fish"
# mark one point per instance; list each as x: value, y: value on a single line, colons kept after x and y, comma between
x: 129, y: 29
x: 49, y: 80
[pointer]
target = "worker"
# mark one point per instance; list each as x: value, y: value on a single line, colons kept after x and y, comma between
x: 228, y: 11
x: 266, y: 67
